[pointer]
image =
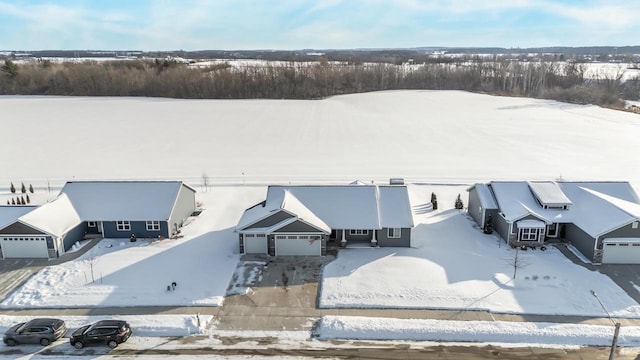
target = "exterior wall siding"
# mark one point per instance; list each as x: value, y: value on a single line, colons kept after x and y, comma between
x: 501, y: 226
x: 474, y: 208
x: 403, y: 241
x: 182, y: 209
x: 73, y: 235
x: 580, y: 239
x: 626, y: 231
x: 18, y: 228
x: 271, y: 220
x: 298, y: 226
x: 139, y: 228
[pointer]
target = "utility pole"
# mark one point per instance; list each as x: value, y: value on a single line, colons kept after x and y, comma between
x: 616, y: 325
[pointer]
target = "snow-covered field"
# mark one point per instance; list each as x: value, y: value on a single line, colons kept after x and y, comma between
x: 425, y: 136
x: 432, y: 136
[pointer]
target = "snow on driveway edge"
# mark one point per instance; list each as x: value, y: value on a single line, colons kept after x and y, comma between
x: 367, y: 328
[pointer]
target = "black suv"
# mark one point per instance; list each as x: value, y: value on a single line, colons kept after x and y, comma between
x: 110, y: 332
x: 41, y: 331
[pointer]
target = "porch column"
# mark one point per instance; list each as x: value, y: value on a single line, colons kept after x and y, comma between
x: 374, y: 241
x: 343, y: 242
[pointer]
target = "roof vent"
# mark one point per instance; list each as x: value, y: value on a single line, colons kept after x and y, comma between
x: 396, y: 181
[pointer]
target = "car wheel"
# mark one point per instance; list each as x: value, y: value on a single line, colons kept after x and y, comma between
x: 11, y: 342
x: 112, y: 344
x: 78, y: 345
x: 45, y: 342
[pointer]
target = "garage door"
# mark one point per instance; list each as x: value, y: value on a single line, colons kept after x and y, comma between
x: 255, y: 244
x: 298, y: 245
x: 621, y: 252
x: 24, y: 247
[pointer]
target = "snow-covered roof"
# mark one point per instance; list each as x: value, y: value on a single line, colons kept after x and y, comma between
x: 598, y: 207
x: 484, y: 194
x: 10, y: 213
x: 123, y: 200
x: 549, y: 193
x: 395, y: 209
x: 622, y: 240
x: 337, y: 206
x: 56, y: 217
x: 531, y: 224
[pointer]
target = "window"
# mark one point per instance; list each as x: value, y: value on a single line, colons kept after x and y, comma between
x: 527, y: 234
x: 358, y: 232
x: 634, y: 225
x: 91, y: 224
x: 122, y: 225
x: 394, y: 233
x: 153, y: 225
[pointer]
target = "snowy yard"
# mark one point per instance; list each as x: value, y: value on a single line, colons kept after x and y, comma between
x: 117, y: 272
x: 453, y: 265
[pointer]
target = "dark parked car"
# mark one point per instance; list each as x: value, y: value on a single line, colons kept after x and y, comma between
x: 110, y: 332
x: 37, y: 331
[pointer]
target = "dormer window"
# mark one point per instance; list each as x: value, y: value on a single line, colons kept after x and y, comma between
x: 549, y: 195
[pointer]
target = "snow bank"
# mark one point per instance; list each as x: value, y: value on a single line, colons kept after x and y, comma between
x: 367, y: 328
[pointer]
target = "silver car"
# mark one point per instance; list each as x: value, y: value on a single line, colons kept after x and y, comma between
x: 41, y: 331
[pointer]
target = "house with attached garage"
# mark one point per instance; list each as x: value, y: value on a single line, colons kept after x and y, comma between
x: 300, y: 220
x: 601, y: 219
x: 111, y: 209
x: 45, y: 231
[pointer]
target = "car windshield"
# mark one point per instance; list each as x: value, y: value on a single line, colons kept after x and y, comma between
x: 21, y: 327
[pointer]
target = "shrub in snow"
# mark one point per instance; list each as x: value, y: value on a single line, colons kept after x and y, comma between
x: 488, y: 226
x: 30, y: 188
x: 22, y: 200
x: 434, y: 201
x: 28, y: 199
x: 23, y: 189
x: 13, y: 189
x: 13, y: 201
x: 459, y: 204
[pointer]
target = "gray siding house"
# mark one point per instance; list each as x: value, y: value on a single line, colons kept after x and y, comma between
x: 300, y: 220
x: 118, y: 209
x: 113, y: 209
x: 601, y: 219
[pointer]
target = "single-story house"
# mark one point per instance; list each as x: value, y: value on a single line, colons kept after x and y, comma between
x: 299, y: 220
x: 118, y: 209
x: 601, y: 219
x: 113, y: 209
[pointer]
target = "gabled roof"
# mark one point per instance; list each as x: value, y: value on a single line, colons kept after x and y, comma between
x: 10, y: 213
x: 395, y: 209
x: 123, y: 200
x: 336, y: 206
x: 486, y: 197
x: 598, y: 207
x: 56, y: 217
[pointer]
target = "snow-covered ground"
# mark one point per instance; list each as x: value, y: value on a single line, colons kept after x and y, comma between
x: 431, y: 136
x: 117, y: 272
x: 454, y: 265
x: 354, y: 327
x: 425, y: 136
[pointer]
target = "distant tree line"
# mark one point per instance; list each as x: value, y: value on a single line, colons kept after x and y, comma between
x: 564, y: 81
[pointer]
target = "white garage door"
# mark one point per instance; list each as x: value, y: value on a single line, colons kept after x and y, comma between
x: 300, y: 245
x: 255, y: 244
x: 621, y: 251
x: 24, y: 247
